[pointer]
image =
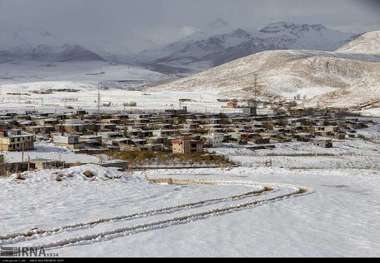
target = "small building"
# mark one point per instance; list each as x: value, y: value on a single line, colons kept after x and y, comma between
x: 232, y: 103
x: 91, y: 140
x: 324, y: 143
x: 68, y: 141
x: 250, y: 110
x: 186, y: 146
x: 16, y: 140
x: 261, y: 140
x: 40, y: 129
x: 215, y: 139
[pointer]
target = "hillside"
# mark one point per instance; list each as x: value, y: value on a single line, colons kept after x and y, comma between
x: 367, y: 43
x: 325, y: 78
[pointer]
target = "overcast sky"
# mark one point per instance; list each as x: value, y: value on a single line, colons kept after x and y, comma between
x: 138, y: 24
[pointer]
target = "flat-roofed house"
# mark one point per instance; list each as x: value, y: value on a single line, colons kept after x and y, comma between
x: 16, y: 140
x: 324, y: 143
x: 67, y: 141
x: 186, y: 146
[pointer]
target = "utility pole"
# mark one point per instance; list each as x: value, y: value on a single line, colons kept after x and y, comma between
x: 252, y: 102
x: 99, y: 86
x: 99, y: 116
x: 255, y: 89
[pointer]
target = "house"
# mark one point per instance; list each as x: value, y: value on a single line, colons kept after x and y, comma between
x: 177, y: 112
x: 302, y: 137
x: 164, y: 133
x: 340, y: 135
x: 325, y: 143
x: 68, y: 141
x: 232, y: 103
x: 186, y: 145
x: 72, y: 127
x: 91, y: 140
x: 45, y: 121
x: 261, y: 140
x: 215, y: 139
x: 46, y: 129
x: 16, y: 140
x: 251, y: 111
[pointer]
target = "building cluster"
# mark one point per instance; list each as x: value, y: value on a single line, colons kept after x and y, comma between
x: 177, y: 131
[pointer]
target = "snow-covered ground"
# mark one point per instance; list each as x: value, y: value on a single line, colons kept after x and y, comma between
x: 115, y: 98
x: 93, y: 71
x: 250, y: 210
x: 324, y: 203
x: 346, y: 154
x: 20, y: 82
x: 49, y: 152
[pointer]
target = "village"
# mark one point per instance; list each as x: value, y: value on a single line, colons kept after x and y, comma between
x: 170, y: 137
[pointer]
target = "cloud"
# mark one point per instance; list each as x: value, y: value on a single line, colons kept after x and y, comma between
x: 138, y: 24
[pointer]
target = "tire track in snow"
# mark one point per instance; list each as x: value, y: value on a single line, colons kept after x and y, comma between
x: 127, y: 231
x: 38, y: 233
x: 35, y: 234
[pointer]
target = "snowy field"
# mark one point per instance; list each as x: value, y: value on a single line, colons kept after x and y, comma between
x: 347, y: 154
x: 28, y: 72
x: 20, y: 82
x: 21, y: 86
x: 127, y: 216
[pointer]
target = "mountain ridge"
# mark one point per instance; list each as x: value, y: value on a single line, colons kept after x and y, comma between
x: 47, y: 53
x: 200, y: 53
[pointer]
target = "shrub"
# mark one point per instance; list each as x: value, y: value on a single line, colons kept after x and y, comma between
x: 166, y: 157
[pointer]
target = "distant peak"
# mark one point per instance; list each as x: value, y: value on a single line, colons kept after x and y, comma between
x: 287, y: 26
x: 46, y: 34
x: 240, y: 32
x: 218, y: 23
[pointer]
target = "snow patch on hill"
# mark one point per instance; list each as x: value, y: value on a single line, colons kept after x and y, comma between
x: 368, y: 43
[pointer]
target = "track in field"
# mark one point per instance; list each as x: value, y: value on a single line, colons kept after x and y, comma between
x: 37, y: 234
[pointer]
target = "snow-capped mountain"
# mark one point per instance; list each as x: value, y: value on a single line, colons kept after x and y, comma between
x: 64, y: 53
x: 19, y: 44
x: 325, y: 78
x: 204, y: 50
